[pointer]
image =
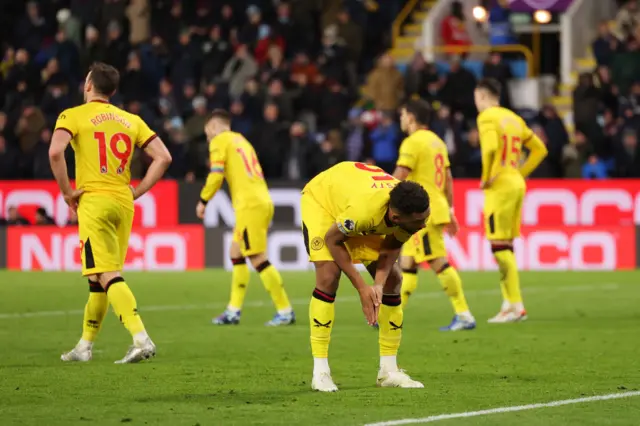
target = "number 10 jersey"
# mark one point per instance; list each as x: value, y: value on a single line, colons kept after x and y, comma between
x: 104, y: 138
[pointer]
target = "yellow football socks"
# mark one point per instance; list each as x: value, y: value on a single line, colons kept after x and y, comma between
x: 94, y: 311
x: 239, y: 283
x: 509, y: 279
x: 409, y: 284
x: 452, y: 286
x: 390, y: 319
x: 124, y: 305
x: 273, y: 283
x: 322, y: 313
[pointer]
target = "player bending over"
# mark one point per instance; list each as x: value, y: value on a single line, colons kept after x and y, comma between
x: 232, y: 157
x: 424, y: 159
x: 104, y: 138
x: 346, y: 211
x: 502, y: 136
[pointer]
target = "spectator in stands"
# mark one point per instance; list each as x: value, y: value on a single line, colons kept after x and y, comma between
x: 627, y: 20
x: 500, y: 32
x: 574, y: 155
x: 42, y: 218
x: 499, y: 70
x: 458, y: 88
x: 268, y: 41
x: 194, y: 127
x: 453, y: 30
x: 385, y: 85
x: 14, y: 217
x: 8, y: 159
x: 384, y: 140
x: 41, y: 167
x: 415, y: 79
x: 556, y: 138
x: 269, y: 139
x: 471, y: 156
x: 139, y: 16
x: 627, y: 155
x: 608, y: 91
x: 351, y: 35
x: 331, y: 149
x: 238, y: 70
x: 240, y: 122
x: 586, y: 100
x: 594, y: 168
x: 605, y: 45
x: 249, y: 34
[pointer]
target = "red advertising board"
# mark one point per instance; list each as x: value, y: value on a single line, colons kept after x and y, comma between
x: 158, y: 207
x: 51, y: 248
x: 553, y: 203
x: 551, y: 248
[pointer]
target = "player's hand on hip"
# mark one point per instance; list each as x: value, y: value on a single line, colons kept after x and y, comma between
x: 134, y: 192
x: 73, y: 198
x: 454, y: 226
x: 200, y: 210
x: 370, y: 304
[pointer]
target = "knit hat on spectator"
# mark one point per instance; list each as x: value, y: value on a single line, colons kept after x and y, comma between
x: 253, y: 10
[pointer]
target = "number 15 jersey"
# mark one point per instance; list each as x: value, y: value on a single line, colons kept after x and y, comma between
x: 103, y: 139
x: 425, y: 154
x: 233, y: 158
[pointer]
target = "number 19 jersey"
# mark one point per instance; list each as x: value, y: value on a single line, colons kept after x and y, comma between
x: 104, y: 138
x: 425, y: 154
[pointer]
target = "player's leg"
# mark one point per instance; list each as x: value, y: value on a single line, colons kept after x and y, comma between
x: 321, y: 320
x: 239, y: 283
x: 390, y: 323
x: 502, y: 226
x: 435, y: 252
x: 97, y: 305
x: 315, y: 223
x: 409, y: 268
x: 120, y: 295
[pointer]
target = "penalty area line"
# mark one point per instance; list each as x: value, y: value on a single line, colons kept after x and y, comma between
x: 501, y: 410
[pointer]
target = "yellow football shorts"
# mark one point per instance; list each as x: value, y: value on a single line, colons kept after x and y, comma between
x: 426, y: 244
x: 316, y: 221
x: 252, y: 228
x: 502, y: 213
x: 104, y: 227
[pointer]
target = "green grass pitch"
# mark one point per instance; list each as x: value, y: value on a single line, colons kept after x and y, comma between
x: 582, y: 339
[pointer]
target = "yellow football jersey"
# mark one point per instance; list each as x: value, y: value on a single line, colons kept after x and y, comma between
x: 504, y: 133
x: 425, y: 154
x: 104, y: 137
x: 357, y: 197
x: 233, y: 158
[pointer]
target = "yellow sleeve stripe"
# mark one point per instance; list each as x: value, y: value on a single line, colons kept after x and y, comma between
x: 221, y: 163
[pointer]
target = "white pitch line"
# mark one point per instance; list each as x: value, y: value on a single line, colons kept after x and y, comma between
x: 304, y: 302
x: 501, y: 410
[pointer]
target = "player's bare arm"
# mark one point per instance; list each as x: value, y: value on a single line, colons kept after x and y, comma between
x: 389, y: 254
x: 401, y: 172
x: 453, y: 226
x: 59, y: 142
x: 335, y: 240
x: 160, y: 161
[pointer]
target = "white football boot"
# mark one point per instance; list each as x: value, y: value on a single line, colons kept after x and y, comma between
x: 139, y: 351
x: 505, y: 317
x: 77, y: 354
x: 396, y: 379
x: 323, y: 382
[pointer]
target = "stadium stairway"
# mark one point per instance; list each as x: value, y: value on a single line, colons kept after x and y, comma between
x: 404, y: 45
x: 563, y: 101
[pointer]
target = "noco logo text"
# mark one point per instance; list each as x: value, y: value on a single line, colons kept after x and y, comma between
x: 52, y: 249
x: 158, y: 207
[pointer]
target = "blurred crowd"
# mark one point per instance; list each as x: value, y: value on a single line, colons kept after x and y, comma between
x: 288, y: 70
x: 293, y: 74
x: 607, y: 102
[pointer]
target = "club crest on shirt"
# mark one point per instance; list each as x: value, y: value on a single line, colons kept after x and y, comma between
x: 347, y: 226
x: 317, y: 243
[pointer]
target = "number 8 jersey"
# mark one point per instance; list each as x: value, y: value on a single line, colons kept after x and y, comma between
x: 425, y: 154
x: 103, y: 139
x: 232, y: 157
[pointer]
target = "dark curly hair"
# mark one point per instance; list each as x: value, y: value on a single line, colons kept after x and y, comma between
x: 409, y: 198
x: 491, y: 85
